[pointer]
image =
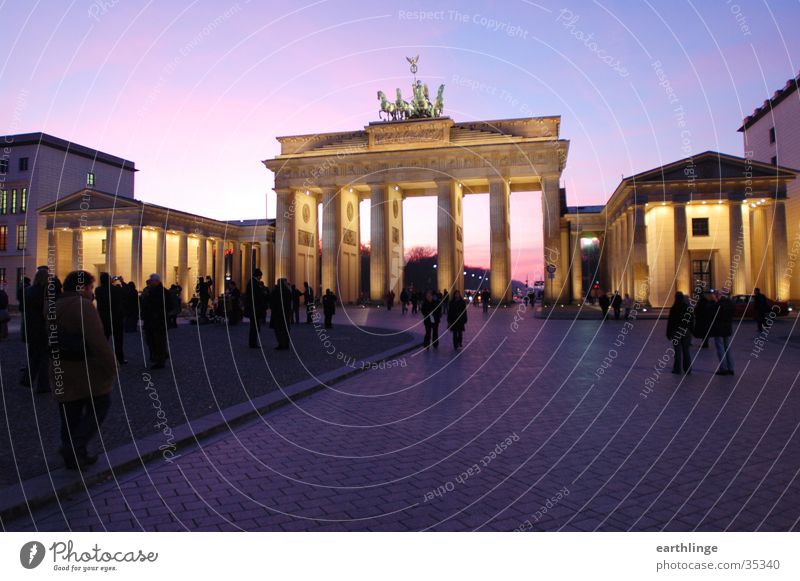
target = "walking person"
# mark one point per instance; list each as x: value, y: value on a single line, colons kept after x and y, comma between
x: 111, y: 299
x: 457, y: 318
x: 81, y: 371
x: 308, y: 300
x: 155, y: 303
x: 432, y: 314
x: 35, y: 332
x: 281, y: 313
x: 721, y: 330
x: 131, y: 307
x: 296, y: 294
x: 203, y: 295
x: 604, y: 304
x: 680, y: 324
x: 627, y: 305
x: 255, y: 307
x: 403, y: 301
x: 616, y: 304
x: 5, y: 317
x: 760, y: 309
x: 329, y: 307
x: 485, y: 296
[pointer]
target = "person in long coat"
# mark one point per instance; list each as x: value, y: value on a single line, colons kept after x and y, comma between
x: 704, y: 313
x: 131, y: 307
x: 111, y: 300
x: 155, y: 304
x: 329, y: 307
x: 432, y: 314
x: 35, y: 332
x: 255, y: 307
x: 457, y: 318
x: 680, y: 324
x: 282, y: 309
x: 82, y: 369
x: 721, y: 330
x: 760, y: 309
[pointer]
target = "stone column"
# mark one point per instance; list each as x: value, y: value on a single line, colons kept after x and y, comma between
x: 219, y: 279
x: 202, y: 256
x: 641, y: 273
x: 284, y: 233
x: 759, y: 251
x: 450, y: 270
x: 576, y: 268
x: 629, y: 251
x: 111, y: 249
x: 331, y: 238
x: 136, y: 257
x: 780, y: 251
x: 77, y: 249
x: 736, y: 262
x: 161, y: 255
x: 553, y: 253
x: 378, y: 242
x: 236, y: 269
x: 683, y: 271
x: 500, y: 241
x: 53, y: 251
x: 183, y: 266
x: 624, y: 246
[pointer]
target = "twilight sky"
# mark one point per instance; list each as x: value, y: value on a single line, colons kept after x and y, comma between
x: 196, y: 92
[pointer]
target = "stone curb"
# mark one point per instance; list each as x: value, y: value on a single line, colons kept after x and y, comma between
x: 18, y: 499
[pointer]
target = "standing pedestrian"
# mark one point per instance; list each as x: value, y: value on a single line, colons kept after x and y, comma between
x: 431, y: 312
x: 35, y: 332
x: 5, y: 317
x: 255, y: 307
x: 281, y: 313
x: 457, y: 318
x: 485, y: 296
x: 403, y: 301
x: 329, y: 307
x: 604, y: 304
x: 704, y: 313
x: 296, y: 294
x: 721, y: 330
x: 82, y: 369
x: 111, y: 300
x: 616, y: 304
x: 155, y: 303
x: 760, y: 309
x: 627, y: 305
x: 308, y: 300
x: 680, y: 324
x: 203, y: 295
x: 131, y: 307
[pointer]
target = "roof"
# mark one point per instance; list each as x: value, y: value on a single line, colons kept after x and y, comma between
x: 585, y: 209
x: 779, y: 95
x: 711, y: 165
x: 43, y: 139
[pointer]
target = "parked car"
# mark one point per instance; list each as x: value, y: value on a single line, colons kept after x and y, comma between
x: 743, y: 306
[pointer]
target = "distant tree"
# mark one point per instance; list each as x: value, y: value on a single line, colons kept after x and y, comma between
x: 365, y: 249
x: 418, y: 253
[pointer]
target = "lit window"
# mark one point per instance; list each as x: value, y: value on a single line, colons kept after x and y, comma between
x: 22, y: 236
x: 23, y: 164
x: 23, y: 200
x: 3, y: 202
x: 3, y: 238
x: 699, y: 226
x: 90, y: 179
x: 13, y: 201
x: 2, y: 276
x: 103, y: 246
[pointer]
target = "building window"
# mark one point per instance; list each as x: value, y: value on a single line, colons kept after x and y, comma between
x: 3, y: 166
x: 3, y: 202
x: 23, y: 200
x: 701, y: 272
x: 2, y: 276
x: 13, y: 201
x: 22, y: 236
x: 90, y: 179
x: 23, y: 164
x: 772, y: 135
x: 3, y: 238
x: 103, y: 246
x: 699, y: 226
x: 774, y: 160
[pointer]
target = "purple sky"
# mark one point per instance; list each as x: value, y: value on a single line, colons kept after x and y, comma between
x: 196, y: 92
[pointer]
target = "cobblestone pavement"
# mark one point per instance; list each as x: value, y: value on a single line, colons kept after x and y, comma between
x: 535, y: 425
x: 211, y: 368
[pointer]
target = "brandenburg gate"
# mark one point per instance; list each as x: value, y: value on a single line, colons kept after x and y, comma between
x: 413, y: 153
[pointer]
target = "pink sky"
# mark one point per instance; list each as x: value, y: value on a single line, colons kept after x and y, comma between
x: 195, y: 93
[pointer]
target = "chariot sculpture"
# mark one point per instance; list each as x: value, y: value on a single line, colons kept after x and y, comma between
x: 420, y: 106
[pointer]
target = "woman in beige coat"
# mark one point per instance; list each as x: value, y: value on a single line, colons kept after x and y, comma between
x: 82, y: 367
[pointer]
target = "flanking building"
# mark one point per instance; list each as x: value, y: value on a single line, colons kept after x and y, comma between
x: 771, y: 134
x: 70, y: 206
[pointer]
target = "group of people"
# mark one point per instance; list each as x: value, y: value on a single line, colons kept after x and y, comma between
x: 413, y: 299
x: 617, y: 303
x: 434, y: 306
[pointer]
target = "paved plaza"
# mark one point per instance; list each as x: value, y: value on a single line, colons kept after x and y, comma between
x: 535, y: 425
